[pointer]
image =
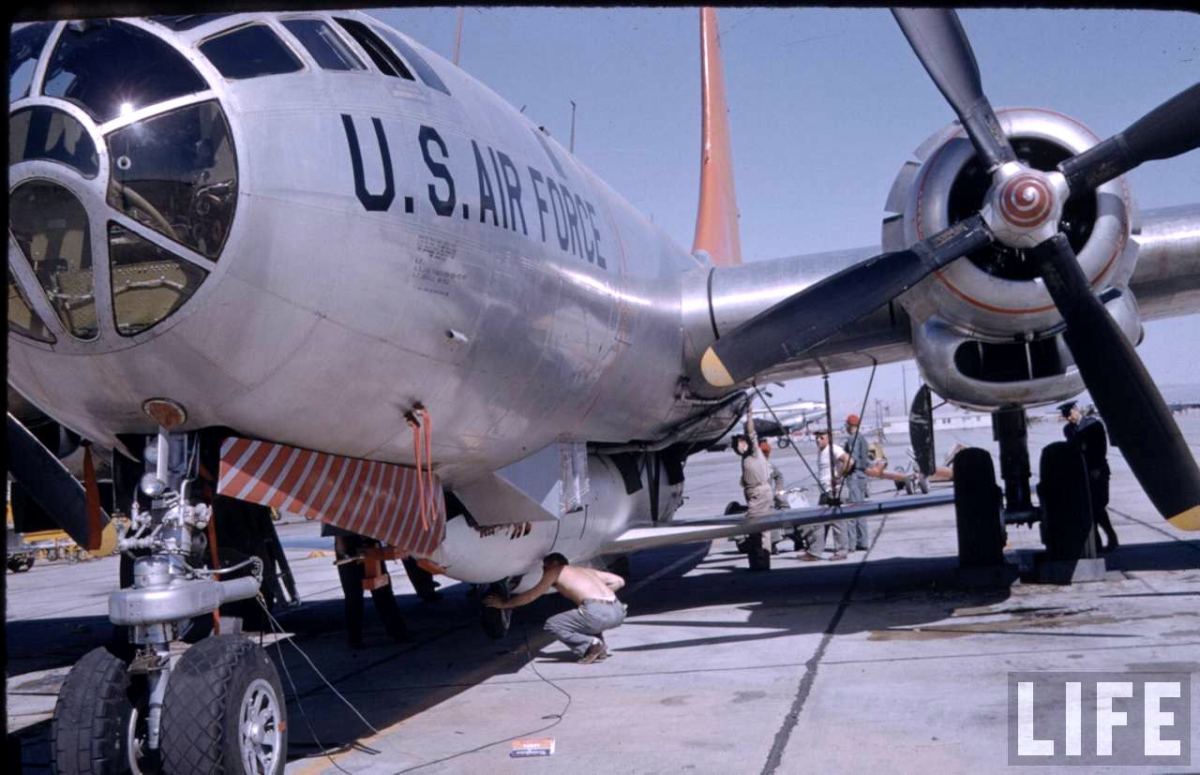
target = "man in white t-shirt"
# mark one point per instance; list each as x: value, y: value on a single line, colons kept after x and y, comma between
x: 814, y: 535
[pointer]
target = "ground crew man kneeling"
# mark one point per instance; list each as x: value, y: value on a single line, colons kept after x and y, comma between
x: 593, y: 591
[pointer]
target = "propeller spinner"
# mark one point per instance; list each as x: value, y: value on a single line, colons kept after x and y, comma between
x: 1022, y: 209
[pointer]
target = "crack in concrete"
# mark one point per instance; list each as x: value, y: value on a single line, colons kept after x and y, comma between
x: 775, y: 757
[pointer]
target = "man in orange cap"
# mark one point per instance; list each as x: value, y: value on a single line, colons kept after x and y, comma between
x: 857, y: 536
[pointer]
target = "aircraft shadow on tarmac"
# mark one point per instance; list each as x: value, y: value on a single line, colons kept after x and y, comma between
x: 449, y: 653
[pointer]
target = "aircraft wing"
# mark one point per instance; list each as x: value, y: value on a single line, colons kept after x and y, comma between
x: 692, y: 531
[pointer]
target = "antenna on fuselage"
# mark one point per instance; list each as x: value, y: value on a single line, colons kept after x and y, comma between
x: 572, y: 147
x: 458, y: 34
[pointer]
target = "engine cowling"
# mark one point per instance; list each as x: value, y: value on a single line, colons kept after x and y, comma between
x: 985, y: 330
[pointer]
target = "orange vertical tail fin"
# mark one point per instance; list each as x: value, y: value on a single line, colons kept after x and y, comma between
x: 717, y: 216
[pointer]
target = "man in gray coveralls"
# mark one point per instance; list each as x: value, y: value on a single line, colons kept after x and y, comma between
x: 858, y: 536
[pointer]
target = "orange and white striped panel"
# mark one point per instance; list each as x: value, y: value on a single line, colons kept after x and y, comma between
x: 380, y: 500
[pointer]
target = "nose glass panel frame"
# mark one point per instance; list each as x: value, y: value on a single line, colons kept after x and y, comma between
x: 22, y: 317
x: 41, y: 132
x: 148, y: 283
x: 52, y: 231
x: 156, y: 220
x: 25, y: 47
x: 176, y: 172
x: 111, y: 68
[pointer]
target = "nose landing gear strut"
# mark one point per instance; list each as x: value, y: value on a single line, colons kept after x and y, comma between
x: 218, y: 706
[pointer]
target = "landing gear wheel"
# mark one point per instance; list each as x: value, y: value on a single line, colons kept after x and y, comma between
x: 977, y: 514
x: 759, y: 555
x: 96, y: 709
x: 142, y: 760
x: 496, y: 621
x: 224, y: 710
x: 1067, y: 526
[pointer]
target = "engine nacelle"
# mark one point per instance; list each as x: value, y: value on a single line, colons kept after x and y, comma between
x: 985, y: 331
x: 481, y: 555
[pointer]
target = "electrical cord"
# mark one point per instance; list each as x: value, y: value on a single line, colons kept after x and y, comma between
x: 279, y: 629
x: 295, y: 691
x: 558, y: 717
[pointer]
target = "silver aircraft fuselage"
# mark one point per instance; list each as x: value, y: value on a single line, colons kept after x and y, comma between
x: 391, y: 244
x: 390, y: 241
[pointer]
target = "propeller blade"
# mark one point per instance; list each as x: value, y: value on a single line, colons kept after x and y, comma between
x: 1139, y: 421
x: 937, y: 37
x: 1171, y: 129
x: 811, y: 316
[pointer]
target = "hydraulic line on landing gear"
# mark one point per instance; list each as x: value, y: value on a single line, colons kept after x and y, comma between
x: 168, y: 589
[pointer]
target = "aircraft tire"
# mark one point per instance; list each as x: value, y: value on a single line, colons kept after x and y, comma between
x: 496, y: 621
x: 224, y: 710
x: 1067, y: 526
x: 977, y: 513
x: 88, y: 729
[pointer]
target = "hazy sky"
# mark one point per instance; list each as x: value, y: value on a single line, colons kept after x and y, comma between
x: 825, y: 106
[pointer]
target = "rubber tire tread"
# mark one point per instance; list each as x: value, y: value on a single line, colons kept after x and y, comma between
x: 1068, y: 527
x: 977, y: 510
x: 197, y: 703
x: 88, y: 726
x: 496, y: 622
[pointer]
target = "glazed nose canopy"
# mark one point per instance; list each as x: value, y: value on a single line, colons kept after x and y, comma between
x: 109, y: 68
x: 172, y: 172
x: 176, y: 173
x: 21, y: 317
x: 51, y: 228
x: 41, y: 132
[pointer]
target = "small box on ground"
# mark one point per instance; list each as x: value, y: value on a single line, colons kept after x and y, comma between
x: 532, y: 746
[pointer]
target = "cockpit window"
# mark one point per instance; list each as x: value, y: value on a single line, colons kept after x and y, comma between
x: 109, y: 68
x: 148, y: 283
x: 177, y: 174
x: 45, y: 133
x: 427, y: 74
x: 51, y: 228
x: 24, y: 48
x: 383, y: 57
x: 249, y: 52
x: 324, y: 44
x: 21, y: 317
x: 184, y: 22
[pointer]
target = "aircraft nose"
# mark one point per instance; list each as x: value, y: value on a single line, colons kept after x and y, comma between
x: 123, y: 181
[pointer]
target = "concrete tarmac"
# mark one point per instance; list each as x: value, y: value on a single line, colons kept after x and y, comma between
x: 880, y: 662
